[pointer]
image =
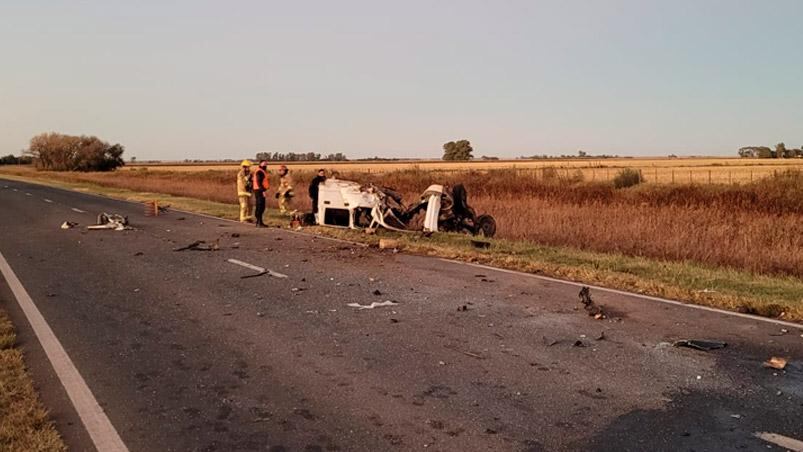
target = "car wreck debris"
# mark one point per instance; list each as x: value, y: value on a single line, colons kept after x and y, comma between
x: 112, y: 221
x: 698, y: 344
x: 349, y: 204
x: 374, y: 304
x: 200, y: 245
x: 776, y: 362
x: 68, y: 225
x: 591, y: 308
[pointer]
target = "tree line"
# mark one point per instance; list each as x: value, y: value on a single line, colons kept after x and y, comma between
x: 300, y: 157
x: 764, y: 152
x: 12, y: 159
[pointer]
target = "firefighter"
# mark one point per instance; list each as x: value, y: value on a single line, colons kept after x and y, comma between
x: 244, y: 189
x: 285, y: 191
x: 261, y: 185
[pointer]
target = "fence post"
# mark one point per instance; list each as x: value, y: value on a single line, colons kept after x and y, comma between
x: 709, y: 177
x: 673, y: 176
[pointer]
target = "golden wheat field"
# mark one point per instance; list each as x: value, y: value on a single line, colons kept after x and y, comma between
x: 662, y: 170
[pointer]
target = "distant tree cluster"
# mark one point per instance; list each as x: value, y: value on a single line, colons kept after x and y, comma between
x: 764, y: 152
x: 457, y: 150
x: 59, y: 152
x: 580, y: 154
x: 12, y: 159
x: 300, y: 157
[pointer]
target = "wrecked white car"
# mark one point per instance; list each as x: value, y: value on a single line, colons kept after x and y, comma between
x: 352, y: 205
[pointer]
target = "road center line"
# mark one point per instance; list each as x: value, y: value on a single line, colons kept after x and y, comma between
x: 28, y: 194
x: 784, y: 441
x: 78, y: 210
x: 47, y: 200
x: 257, y: 269
x: 100, y: 429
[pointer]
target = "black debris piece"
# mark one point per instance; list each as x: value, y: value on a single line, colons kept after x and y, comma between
x: 591, y: 308
x: 697, y: 344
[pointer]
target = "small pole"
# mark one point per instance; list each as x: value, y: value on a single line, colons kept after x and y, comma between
x: 673, y: 176
x: 709, y: 177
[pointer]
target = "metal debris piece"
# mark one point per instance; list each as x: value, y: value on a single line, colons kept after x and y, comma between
x: 591, y: 308
x: 373, y: 305
x: 776, y: 362
x: 68, y: 225
x: 112, y: 221
x: 201, y: 245
x: 698, y: 344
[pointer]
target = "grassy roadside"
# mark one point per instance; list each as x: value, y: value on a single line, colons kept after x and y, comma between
x: 772, y: 296
x: 24, y: 425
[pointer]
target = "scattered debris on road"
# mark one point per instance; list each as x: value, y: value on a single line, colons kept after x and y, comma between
x: 377, y: 292
x: 591, y: 308
x: 153, y: 209
x: 374, y: 304
x: 260, y: 271
x: 697, y: 344
x: 68, y: 225
x: 112, y: 221
x: 201, y: 245
x: 776, y: 362
x: 462, y: 308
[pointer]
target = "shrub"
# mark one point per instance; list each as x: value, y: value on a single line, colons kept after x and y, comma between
x: 58, y: 152
x: 627, y: 177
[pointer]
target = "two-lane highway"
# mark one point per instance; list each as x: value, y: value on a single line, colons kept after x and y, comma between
x: 183, y: 354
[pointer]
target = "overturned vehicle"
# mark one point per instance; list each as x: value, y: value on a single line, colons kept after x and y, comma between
x: 349, y: 204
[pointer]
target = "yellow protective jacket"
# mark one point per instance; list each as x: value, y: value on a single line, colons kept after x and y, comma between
x: 285, y: 184
x: 242, y: 179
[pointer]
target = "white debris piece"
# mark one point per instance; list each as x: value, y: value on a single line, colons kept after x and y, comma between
x: 373, y: 305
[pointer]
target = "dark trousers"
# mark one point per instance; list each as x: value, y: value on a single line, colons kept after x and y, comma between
x: 260, y: 205
x: 314, y: 204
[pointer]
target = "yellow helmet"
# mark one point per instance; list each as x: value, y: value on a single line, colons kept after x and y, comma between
x: 246, y: 163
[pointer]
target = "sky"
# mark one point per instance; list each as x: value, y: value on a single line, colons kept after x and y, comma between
x: 204, y: 80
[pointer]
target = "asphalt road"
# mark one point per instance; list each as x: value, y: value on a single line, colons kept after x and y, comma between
x: 184, y: 355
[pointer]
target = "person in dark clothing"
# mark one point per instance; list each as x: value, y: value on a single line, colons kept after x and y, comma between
x: 261, y: 185
x: 313, y: 189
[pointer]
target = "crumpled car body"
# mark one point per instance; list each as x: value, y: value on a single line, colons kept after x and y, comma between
x: 349, y: 204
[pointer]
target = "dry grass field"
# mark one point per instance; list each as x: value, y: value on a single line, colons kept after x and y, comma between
x: 662, y: 170
x: 755, y: 226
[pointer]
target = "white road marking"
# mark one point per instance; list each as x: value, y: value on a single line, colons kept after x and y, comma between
x: 780, y: 440
x: 47, y: 200
x: 257, y: 269
x: 100, y: 429
x: 28, y: 194
x: 77, y: 210
x: 16, y: 189
x: 631, y: 294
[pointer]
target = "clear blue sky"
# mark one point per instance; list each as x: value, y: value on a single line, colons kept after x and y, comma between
x: 200, y: 79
